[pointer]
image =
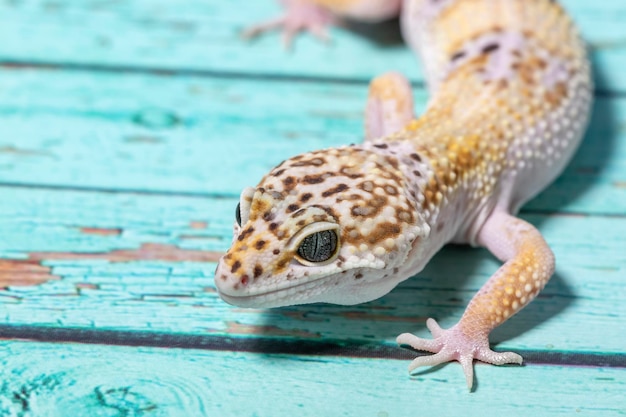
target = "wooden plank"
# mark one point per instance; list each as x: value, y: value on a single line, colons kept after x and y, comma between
x: 145, y: 260
x: 78, y: 380
x: 201, y: 35
x: 151, y: 133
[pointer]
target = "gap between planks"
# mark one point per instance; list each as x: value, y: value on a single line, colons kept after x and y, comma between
x: 200, y: 73
x: 276, y: 346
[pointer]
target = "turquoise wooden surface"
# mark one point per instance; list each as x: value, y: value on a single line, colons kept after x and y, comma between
x: 127, y: 130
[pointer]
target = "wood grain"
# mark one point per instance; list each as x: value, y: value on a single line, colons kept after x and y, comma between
x: 83, y: 380
x: 159, y: 294
x: 127, y: 130
x: 106, y: 132
x: 205, y: 36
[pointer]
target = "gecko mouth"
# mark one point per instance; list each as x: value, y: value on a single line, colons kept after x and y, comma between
x: 302, y: 293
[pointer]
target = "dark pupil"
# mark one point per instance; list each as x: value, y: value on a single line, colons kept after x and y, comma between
x: 318, y: 247
x: 238, y: 214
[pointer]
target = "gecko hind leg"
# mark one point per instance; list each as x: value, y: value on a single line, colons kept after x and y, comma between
x: 298, y: 16
x: 389, y: 105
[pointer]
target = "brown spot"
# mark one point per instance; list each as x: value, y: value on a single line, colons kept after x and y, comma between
x: 245, y: 233
x: 306, y: 197
x: 260, y: 244
x: 292, y: 207
x: 289, y: 183
x: 416, y: 157
x: 367, y: 186
x: 259, y: 206
x: 235, y: 267
x: 381, y: 146
x: 281, y: 264
x: 490, y: 47
x: 100, y: 231
x: 382, y: 232
x: 278, y: 173
x: 313, y: 179
x: 457, y: 55
x: 258, y: 270
x: 350, y: 172
x: 312, y: 162
x: 276, y: 251
x: 358, y: 276
x: 379, y: 201
x: 328, y: 211
x: 337, y: 189
x: 273, y: 228
x: 391, y: 190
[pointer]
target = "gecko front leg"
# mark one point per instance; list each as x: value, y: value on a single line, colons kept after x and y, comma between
x: 389, y: 105
x: 528, y: 265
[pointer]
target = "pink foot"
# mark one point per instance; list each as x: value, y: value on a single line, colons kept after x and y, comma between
x: 299, y: 15
x: 452, y: 344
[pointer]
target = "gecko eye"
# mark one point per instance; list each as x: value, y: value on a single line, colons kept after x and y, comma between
x: 238, y: 214
x: 318, y: 247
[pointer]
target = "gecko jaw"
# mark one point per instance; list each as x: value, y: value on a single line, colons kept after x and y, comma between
x: 277, y: 297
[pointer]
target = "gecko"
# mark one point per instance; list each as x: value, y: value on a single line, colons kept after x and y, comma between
x: 511, y: 92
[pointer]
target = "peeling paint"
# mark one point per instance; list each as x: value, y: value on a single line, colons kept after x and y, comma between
x: 198, y: 225
x: 235, y: 328
x: 100, y: 231
x: 21, y: 273
x: 25, y: 272
x: 146, y: 252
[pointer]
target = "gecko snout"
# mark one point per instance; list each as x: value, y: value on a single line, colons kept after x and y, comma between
x: 228, y: 281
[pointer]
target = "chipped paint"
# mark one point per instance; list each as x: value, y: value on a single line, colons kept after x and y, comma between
x: 32, y: 271
x: 101, y: 231
x: 236, y: 328
x: 21, y: 273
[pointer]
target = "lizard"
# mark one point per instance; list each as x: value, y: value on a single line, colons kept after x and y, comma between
x: 511, y: 92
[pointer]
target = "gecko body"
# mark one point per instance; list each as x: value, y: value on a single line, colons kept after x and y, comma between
x: 511, y: 93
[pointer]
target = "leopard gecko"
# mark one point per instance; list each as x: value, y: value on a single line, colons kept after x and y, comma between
x: 510, y: 99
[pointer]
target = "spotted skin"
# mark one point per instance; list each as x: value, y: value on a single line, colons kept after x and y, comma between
x: 511, y: 93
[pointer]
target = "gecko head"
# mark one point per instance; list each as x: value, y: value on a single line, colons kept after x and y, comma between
x: 327, y: 226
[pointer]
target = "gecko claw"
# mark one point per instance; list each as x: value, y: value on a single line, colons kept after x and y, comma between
x: 453, y: 344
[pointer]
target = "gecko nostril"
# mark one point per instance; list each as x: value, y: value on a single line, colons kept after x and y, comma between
x: 244, y: 280
x: 223, y: 277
